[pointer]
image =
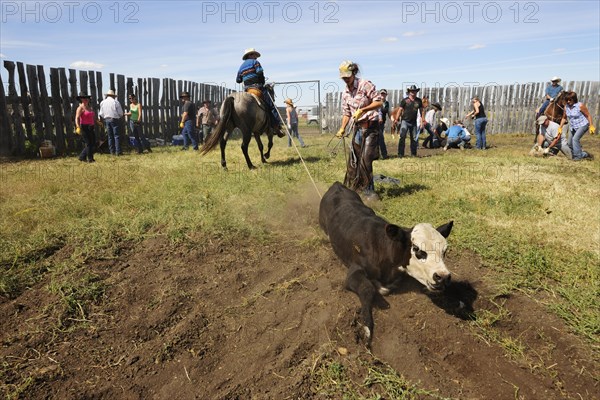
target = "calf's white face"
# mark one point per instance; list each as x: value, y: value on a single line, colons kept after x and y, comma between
x: 428, y: 248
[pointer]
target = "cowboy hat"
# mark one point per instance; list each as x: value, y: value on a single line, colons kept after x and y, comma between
x: 412, y: 88
x: 110, y: 93
x: 555, y: 79
x: 184, y: 94
x: 83, y: 95
x: 383, y: 91
x: 541, y: 119
x: 289, y: 102
x: 249, y: 51
x: 445, y: 121
x: 437, y: 105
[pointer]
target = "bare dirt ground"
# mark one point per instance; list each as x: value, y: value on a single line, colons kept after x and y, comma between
x: 223, y: 319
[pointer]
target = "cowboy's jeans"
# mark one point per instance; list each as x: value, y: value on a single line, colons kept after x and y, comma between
x: 188, y: 133
x: 480, y: 124
x: 405, y: 127
x: 112, y: 133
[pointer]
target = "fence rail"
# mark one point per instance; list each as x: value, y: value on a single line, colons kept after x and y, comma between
x: 509, y: 108
x: 31, y: 115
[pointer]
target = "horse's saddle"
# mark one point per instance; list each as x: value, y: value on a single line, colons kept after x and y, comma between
x: 257, y: 94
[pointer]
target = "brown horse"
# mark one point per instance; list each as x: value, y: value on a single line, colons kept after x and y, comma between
x: 243, y: 111
x: 394, y: 120
x: 556, y: 108
x: 554, y: 112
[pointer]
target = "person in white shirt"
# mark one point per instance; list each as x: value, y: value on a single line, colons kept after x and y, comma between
x: 550, y: 137
x: 112, y: 112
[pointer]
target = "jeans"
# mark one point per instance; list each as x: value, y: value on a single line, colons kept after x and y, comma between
x: 431, y: 139
x: 294, y: 133
x: 480, y: 124
x: 381, y: 142
x: 574, y: 142
x: 205, y: 132
x: 454, y: 142
x: 89, y: 140
x: 188, y: 133
x: 138, y: 134
x: 405, y: 127
x: 112, y: 132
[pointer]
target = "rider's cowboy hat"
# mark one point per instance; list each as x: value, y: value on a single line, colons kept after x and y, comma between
x: 184, y: 94
x: 412, y: 88
x: 289, y: 102
x: 555, y: 79
x: 445, y: 121
x: 83, y: 95
x: 111, y: 93
x: 541, y: 120
x: 250, y: 51
x: 437, y: 105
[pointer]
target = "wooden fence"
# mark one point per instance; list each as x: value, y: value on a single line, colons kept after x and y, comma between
x: 32, y: 114
x: 509, y: 108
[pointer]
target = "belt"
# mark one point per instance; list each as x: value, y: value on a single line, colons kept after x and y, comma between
x: 368, y: 124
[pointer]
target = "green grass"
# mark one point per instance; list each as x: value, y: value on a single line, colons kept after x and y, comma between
x: 534, y: 223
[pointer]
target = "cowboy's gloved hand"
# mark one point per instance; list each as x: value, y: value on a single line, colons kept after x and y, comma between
x: 592, y: 130
x: 340, y: 133
x: 78, y: 130
x: 181, y: 125
x: 357, y: 114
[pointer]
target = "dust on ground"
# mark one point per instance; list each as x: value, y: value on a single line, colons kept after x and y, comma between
x: 217, y: 318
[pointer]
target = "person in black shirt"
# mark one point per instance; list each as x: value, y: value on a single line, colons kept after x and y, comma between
x: 478, y: 114
x: 188, y: 121
x: 409, y: 108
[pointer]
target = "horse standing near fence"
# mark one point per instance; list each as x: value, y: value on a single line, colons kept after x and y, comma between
x: 242, y: 110
x: 554, y: 112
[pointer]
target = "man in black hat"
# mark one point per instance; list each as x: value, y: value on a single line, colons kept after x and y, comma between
x: 188, y: 120
x: 409, y: 108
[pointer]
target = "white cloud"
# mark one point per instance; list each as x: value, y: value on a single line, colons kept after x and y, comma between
x: 413, y: 33
x: 389, y: 39
x: 2, y: 55
x: 164, y: 66
x: 86, y: 65
x: 559, y: 50
x: 477, y: 47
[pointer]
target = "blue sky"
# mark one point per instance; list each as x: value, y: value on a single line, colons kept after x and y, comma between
x: 396, y: 43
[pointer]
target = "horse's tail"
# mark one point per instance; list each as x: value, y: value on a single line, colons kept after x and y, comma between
x: 221, y: 129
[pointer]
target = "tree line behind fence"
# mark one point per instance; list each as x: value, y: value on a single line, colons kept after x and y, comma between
x: 31, y: 115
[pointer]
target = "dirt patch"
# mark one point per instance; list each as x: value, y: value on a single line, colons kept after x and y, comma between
x: 221, y: 320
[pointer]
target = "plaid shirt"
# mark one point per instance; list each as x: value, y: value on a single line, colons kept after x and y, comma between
x: 363, y: 94
x: 576, y: 117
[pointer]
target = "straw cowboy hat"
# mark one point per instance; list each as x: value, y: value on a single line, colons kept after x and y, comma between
x: 412, y: 88
x: 289, y: 102
x: 555, y: 79
x: 184, y: 94
x: 250, y: 51
x: 83, y: 95
x: 111, y: 93
x: 541, y: 119
x: 446, y: 121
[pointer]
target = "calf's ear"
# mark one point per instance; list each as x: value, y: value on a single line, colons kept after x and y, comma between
x: 445, y: 229
x: 395, y: 232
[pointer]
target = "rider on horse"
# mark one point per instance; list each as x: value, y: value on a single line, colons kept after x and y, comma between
x: 252, y: 75
x: 552, y: 91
